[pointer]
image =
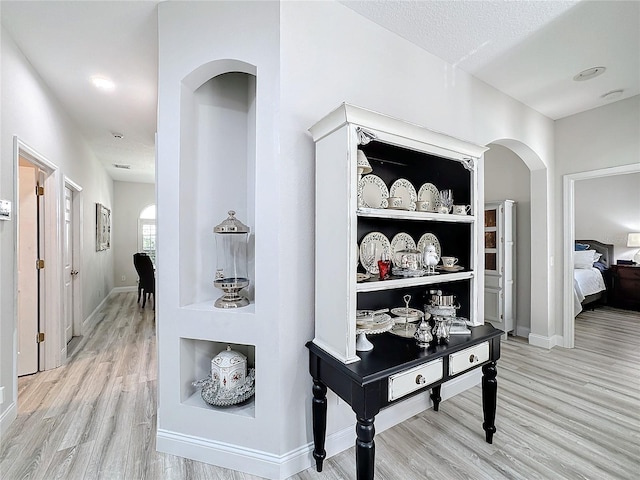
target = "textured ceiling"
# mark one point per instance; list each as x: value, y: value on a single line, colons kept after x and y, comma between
x: 464, y: 33
x: 67, y: 42
x: 529, y: 50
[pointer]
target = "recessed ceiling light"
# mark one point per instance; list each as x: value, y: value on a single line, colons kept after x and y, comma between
x: 102, y: 83
x: 613, y: 94
x: 589, y: 73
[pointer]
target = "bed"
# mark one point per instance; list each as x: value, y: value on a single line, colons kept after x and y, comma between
x: 592, y: 260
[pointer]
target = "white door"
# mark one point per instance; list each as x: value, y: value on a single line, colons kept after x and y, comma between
x: 27, y: 271
x: 67, y: 259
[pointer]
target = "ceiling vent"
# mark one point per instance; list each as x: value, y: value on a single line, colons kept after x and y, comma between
x: 589, y: 73
x: 124, y: 166
x: 613, y: 94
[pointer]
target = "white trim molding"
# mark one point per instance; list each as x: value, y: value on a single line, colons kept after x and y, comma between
x: 51, y: 310
x: 7, y: 417
x: 568, y: 188
x: 545, y: 342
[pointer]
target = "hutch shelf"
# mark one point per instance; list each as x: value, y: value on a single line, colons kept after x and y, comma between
x: 396, y: 150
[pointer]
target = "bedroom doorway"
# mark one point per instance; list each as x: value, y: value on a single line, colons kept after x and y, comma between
x: 569, y: 239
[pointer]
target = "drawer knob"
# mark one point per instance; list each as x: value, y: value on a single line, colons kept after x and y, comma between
x: 472, y: 358
x: 420, y: 380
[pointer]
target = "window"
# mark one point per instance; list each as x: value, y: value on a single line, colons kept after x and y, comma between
x: 147, y: 232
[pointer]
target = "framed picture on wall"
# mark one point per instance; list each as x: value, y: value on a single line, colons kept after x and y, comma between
x: 103, y: 227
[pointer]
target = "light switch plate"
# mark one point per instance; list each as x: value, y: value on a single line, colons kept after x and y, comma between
x: 5, y: 210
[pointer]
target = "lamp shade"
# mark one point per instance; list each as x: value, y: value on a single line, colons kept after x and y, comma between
x: 633, y: 240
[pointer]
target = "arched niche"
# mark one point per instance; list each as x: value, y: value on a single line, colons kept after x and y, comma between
x: 217, y: 168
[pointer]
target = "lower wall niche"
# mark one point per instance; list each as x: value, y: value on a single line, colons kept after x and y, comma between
x: 195, y: 364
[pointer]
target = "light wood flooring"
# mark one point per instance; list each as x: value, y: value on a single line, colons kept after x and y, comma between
x: 562, y: 414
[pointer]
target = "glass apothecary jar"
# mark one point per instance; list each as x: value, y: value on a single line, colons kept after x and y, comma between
x: 232, y: 238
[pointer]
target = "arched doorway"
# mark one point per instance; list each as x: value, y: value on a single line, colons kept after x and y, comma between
x: 507, y: 177
x: 541, y: 327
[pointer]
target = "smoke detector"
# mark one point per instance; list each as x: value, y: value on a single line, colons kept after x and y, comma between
x: 117, y: 135
x: 123, y: 166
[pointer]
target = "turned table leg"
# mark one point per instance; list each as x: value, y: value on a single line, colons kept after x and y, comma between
x: 489, y: 397
x: 365, y: 449
x: 319, y: 412
x: 435, y: 397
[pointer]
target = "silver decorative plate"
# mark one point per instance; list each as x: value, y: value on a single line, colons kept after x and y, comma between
x: 224, y: 397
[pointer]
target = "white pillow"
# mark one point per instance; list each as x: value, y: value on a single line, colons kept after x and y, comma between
x: 584, y: 259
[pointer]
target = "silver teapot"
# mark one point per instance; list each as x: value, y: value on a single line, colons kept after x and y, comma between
x: 423, y: 333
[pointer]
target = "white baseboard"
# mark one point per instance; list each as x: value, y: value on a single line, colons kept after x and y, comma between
x: 7, y: 417
x: 280, y: 467
x: 90, y: 322
x: 234, y: 457
x: 523, y: 332
x: 123, y: 289
x: 545, y: 342
x: 557, y: 340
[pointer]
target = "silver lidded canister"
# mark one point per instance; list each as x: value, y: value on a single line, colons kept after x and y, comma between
x: 232, y: 239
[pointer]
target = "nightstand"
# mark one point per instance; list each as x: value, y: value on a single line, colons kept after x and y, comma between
x: 625, y: 286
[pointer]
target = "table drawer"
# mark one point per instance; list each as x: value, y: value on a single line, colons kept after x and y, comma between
x: 468, y: 358
x: 413, y: 379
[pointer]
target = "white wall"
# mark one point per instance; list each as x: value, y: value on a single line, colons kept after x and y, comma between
x: 507, y: 177
x: 31, y: 112
x: 331, y: 55
x: 129, y: 200
x: 197, y: 41
x: 607, y: 209
x: 596, y: 139
x: 325, y: 54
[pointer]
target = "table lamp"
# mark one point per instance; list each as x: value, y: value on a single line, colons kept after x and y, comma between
x: 633, y: 240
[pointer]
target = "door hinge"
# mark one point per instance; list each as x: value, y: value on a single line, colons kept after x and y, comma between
x: 39, y: 264
x: 39, y: 337
x: 39, y: 190
x: 501, y: 317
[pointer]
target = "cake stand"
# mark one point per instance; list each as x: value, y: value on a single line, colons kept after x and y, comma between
x: 379, y: 324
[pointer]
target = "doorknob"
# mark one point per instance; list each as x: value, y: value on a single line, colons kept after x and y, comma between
x: 74, y: 272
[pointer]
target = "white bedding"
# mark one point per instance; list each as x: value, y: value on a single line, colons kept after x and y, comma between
x: 586, y: 281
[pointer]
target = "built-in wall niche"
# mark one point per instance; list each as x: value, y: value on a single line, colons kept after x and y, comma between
x: 195, y: 364
x: 217, y: 174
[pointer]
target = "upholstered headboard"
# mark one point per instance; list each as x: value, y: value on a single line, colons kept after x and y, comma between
x: 604, y: 248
